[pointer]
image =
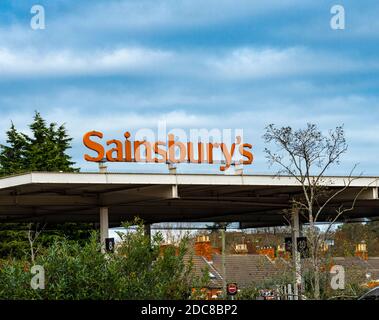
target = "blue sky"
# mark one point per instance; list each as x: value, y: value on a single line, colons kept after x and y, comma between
x: 122, y: 65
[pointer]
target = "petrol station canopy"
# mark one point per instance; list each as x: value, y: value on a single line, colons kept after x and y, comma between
x: 252, y: 200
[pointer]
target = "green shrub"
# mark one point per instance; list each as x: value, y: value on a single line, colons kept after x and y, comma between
x: 137, y: 270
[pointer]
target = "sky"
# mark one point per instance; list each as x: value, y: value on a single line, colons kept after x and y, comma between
x: 117, y: 66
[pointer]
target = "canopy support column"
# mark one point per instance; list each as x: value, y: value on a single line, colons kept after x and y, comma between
x: 104, y: 226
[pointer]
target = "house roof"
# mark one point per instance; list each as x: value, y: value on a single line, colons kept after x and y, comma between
x: 200, y: 264
x: 247, y: 270
x: 349, y: 262
x: 241, y: 269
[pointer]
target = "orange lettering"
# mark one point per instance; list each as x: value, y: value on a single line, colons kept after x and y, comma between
x: 117, y: 149
x: 137, y: 151
x: 161, y: 152
x: 228, y: 156
x: 93, y: 146
x: 171, y: 149
x: 128, y: 147
x: 246, y: 154
x: 200, y: 156
x: 164, y: 151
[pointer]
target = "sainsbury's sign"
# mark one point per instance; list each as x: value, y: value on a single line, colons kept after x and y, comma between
x: 170, y: 151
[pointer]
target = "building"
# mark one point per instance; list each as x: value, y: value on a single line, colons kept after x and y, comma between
x: 248, y: 270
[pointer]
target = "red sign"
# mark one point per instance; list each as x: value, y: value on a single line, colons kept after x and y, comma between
x: 232, y: 289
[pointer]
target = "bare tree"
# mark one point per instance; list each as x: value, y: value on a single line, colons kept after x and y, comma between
x: 33, y: 234
x: 174, y: 233
x: 306, y: 155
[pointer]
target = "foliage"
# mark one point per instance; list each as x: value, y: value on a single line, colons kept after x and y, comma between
x: 13, y: 156
x: 348, y: 235
x: 44, y: 150
x: 275, y: 284
x: 354, y: 280
x: 137, y: 270
x: 13, y: 243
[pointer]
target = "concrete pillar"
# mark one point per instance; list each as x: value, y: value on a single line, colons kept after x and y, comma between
x: 103, y: 167
x: 171, y: 168
x: 104, y: 226
x: 295, y: 226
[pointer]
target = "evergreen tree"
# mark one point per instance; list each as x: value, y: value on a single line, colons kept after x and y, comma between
x: 44, y: 150
x: 13, y: 155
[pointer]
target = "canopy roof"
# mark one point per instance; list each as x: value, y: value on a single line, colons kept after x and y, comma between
x: 253, y: 200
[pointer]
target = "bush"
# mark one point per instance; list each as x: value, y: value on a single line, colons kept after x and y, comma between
x: 138, y: 270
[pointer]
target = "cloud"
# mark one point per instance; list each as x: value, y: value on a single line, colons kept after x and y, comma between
x: 327, y: 113
x: 75, y: 23
x: 65, y: 63
x: 250, y: 63
x: 120, y: 65
x: 227, y: 64
x: 153, y: 15
x: 186, y: 22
